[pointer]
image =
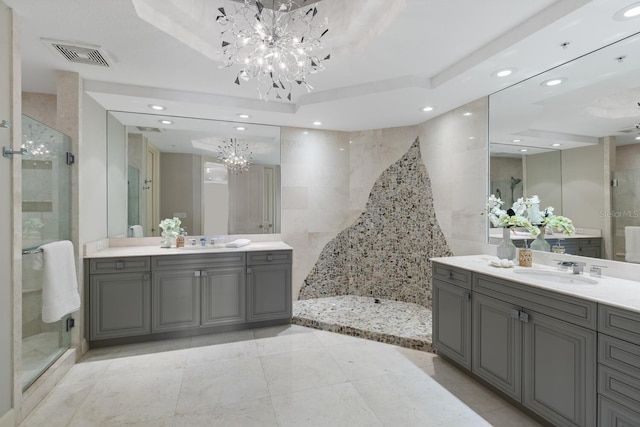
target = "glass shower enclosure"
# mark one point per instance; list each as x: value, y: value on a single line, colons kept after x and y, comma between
x: 46, y: 217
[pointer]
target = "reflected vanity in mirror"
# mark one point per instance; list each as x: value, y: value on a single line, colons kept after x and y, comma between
x: 571, y: 135
x: 166, y: 166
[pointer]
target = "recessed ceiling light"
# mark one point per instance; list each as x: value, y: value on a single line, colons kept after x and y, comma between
x: 630, y: 12
x: 341, y: 149
x: 317, y: 123
x: 305, y: 132
x: 638, y: 138
x: 156, y: 107
x: 243, y: 116
x: 556, y: 145
x: 504, y: 73
x: 524, y: 150
x: 350, y: 142
x: 554, y: 82
x: 240, y: 128
x: 467, y: 114
x: 516, y: 140
x: 427, y: 109
x: 472, y: 137
x: 166, y: 122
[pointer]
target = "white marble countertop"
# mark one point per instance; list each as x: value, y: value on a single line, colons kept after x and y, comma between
x: 608, y: 290
x: 156, y: 250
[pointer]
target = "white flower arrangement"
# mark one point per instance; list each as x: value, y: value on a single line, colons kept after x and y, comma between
x: 526, y: 213
x: 171, y: 227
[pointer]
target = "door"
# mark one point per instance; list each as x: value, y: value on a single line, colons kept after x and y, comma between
x: 120, y: 305
x: 175, y: 300
x: 497, y: 343
x: 452, y: 322
x: 223, y: 296
x: 559, y: 371
x: 269, y: 288
x: 253, y: 200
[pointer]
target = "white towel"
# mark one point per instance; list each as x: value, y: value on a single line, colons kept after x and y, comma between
x: 135, y: 231
x: 238, y: 243
x: 60, y: 285
x: 632, y: 244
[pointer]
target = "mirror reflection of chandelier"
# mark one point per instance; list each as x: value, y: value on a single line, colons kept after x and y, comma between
x: 235, y: 156
x: 37, y: 140
x: 276, y: 44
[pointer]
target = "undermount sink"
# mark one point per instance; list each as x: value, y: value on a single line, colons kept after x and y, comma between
x: 566, y: 278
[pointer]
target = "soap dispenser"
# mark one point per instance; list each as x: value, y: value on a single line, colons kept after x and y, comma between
x: 525, y: 256
x: 558, y: 248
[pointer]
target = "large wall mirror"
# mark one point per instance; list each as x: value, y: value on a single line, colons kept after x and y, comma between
x: 571, y: 135
x: 166, y: 166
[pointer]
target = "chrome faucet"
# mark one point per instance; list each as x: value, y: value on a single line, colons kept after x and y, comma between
x: 578, y: 267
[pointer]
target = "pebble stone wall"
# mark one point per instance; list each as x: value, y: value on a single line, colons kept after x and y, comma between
x: 385, y: 253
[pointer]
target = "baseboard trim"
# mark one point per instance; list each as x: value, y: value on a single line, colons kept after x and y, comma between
x: 8, y: 419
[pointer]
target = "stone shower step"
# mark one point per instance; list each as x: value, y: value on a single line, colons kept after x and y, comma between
x: 393, y: 322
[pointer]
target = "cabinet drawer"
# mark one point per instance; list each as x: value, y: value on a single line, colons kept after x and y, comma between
x: 590, y: 242
x: 452, y: 275
x: 170, y: 262
x: 618, y: 354
x: 619, y: 387
x: 268, y: 257
x: 619, y: 323
x: 119, y: 265
x: 570, y: 309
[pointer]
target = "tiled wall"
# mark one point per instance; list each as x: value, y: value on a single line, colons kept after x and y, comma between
x: 327, y: 178
x: 385, y: 253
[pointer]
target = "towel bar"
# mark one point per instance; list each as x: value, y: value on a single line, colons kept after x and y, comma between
x: 31, y: 251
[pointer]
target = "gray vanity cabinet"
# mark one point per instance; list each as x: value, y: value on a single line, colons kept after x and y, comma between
x: 538, y: 347
x: 268, y: 286
x: 223, y: 296
x: 618, y: 367
x: 137, y: 299
x: 195, y: 290
x: 590, y: 247
x: 452, y: 313
x: 119, y: 297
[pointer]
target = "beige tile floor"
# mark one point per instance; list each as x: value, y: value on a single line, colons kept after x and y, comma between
x: 281, y: 376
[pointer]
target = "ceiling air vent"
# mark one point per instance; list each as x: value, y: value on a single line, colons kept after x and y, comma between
x: 148, y: 129
x: 79, y: 54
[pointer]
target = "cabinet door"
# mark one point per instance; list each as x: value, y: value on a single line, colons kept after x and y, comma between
x: 452, y: 322
x: 176, y: 300
x: 612, y: 414
x: 269, y: 292
x: 497, y: 344
x: 119, y: 305
x: 223, y: 296
x: 559, y: 371
x: 592, y: 251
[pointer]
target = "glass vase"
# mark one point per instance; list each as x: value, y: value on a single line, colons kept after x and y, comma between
x: 540, y: 244
x: 165, y: 240
x: 506, y: 248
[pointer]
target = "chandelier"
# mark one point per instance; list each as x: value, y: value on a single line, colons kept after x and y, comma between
x: 276, y: 46
x: 235, y: 156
